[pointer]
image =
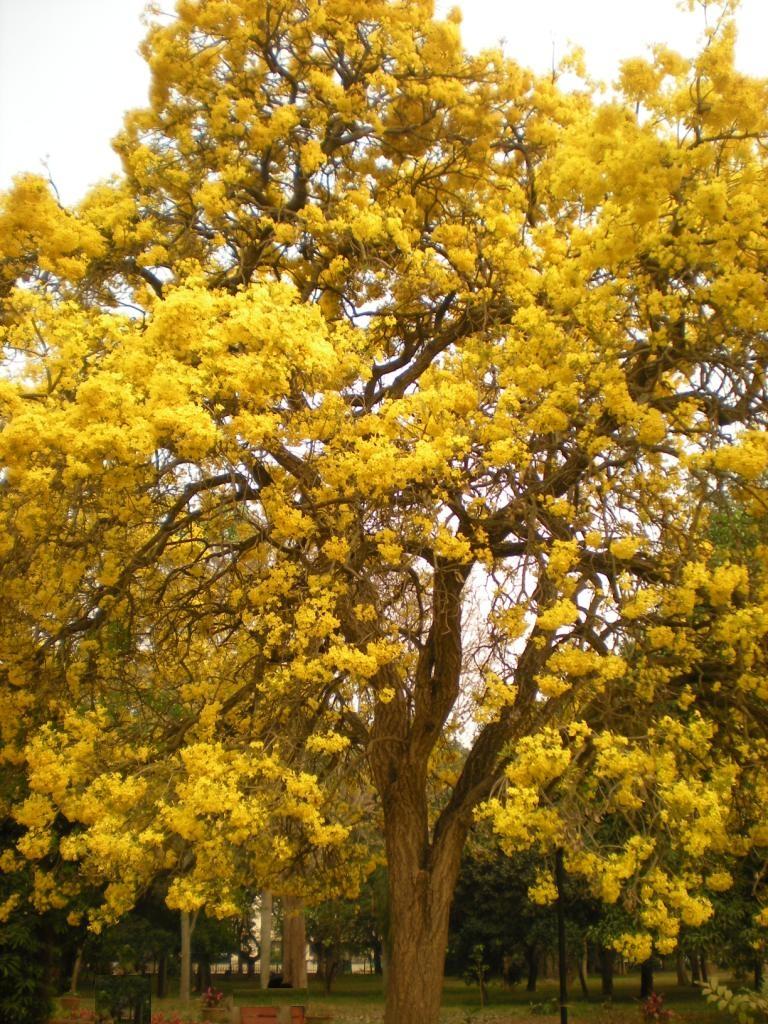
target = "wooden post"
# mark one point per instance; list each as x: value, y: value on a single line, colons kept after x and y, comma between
x: 561, y: 952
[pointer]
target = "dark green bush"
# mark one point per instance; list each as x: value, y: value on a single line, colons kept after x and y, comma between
x: 24, y: 993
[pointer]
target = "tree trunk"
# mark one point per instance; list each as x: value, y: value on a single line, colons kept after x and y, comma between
x: 695, y: 971
x: 265, y: 937
x: 420, y: 907
x: 759, y: 975
x: 422, y: 879
x: 646, y: 979
x: 607, y: 963
x: 188, y: 921
x: 682, y: 974
x: 704, y: 969
x: 330, y: 967
x: 582, y: 966
x: 76, y: 971
x: 483, y: 989
x: 378, y: 967
x: 294, y: 943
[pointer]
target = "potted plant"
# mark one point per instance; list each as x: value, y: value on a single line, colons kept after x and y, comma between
x: 213, y: 1006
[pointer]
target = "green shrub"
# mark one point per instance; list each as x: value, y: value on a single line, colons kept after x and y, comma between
x: 746, y: 1007
x: 24, y: 995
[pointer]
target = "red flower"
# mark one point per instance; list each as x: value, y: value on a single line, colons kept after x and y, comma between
x: 212, y: 997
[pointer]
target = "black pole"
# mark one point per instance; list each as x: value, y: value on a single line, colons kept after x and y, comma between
x: 560, y: 884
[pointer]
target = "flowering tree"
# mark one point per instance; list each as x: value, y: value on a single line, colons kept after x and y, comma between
x: 369, y: 327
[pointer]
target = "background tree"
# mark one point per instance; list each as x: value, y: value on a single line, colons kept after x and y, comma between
x: 26, y: 990
x: 337, y: 930
x: 491, y: 908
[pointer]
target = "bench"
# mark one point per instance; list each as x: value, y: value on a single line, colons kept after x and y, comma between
x: 258, y: 1014
x: 267, y: 1014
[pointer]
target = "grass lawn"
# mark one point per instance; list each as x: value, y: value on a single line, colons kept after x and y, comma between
x: 358, y: 999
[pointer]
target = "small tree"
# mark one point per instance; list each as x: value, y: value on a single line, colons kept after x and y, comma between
x: 476, y: 972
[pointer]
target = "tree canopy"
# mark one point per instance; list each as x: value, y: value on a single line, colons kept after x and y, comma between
x: 390, y: 397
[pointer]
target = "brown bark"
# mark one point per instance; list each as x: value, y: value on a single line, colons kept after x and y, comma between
x: 420, y: 904
x: 422, y: 877
x: 294, y: 943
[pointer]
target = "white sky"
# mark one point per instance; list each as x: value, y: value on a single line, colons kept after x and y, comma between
x: 70, y: 68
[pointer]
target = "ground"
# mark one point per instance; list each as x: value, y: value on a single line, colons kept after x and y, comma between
x: 358, y: 1000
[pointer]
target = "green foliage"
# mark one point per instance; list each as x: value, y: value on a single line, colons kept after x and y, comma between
x: 338, y: 929
x: 24, y: 993
x: 477, y: 971
x: 131, y: 942
x: 491, y: 908
x: 735, y: 532
x: 746, y: 1007
x: 126, y: 997
x: 732, y: 929
x: 24, y: 997
x: 215, y: 938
